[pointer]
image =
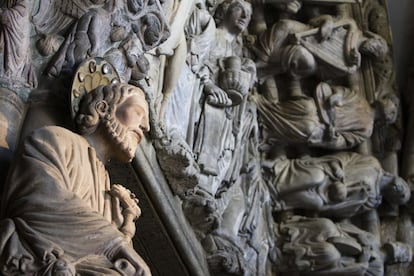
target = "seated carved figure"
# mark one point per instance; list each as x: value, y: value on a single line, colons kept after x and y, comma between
x: 59, y: 214
x: 336, y: 118
x: 301, y: 50
x: 317, y: 246
x: 340, y: 185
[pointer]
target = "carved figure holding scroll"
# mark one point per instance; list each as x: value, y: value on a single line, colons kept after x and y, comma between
x: 59, y: 213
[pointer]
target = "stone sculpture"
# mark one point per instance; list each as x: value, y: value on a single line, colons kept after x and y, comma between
x: 15, y: 61
x: 120, y: 32
x: 60, y: 215
x: 340, y: 185
x: 274, y: 142
x: 322, y: 121
x: 320, y: 247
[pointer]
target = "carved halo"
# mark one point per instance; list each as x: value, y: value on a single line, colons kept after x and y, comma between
x: 91, y: 74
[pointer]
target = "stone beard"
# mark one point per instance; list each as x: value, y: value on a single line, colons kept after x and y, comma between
x: 122, y: 138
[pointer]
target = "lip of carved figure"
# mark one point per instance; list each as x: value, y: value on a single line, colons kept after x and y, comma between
x: 242, y: 22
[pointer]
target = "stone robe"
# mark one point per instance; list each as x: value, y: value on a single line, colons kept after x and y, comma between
x: 56, y: 206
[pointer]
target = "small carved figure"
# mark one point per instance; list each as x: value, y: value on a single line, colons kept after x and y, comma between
x: 59, y: 214
x: 340, y: 185
x: 120, y: 32
x: 317, y: 246
x: 15, y: 62
x: 229, y: 78
x: 327, y: 47
x: 215, y: 137
x: 336, y: 118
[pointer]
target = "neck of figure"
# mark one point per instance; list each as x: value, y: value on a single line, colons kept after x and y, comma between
x: 101, y: 146
x: 229, y: 34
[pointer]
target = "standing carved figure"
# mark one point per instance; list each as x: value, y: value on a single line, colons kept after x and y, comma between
x: 228, y: 79
x: 59, y: 214
x: 15, y: 58
x: 215, y: 139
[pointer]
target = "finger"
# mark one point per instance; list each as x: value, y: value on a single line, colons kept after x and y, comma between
x: 215, y: 98
x: 221, y: 96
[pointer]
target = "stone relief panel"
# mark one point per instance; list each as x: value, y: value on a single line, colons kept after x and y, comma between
x: 276, y: 124
x: 317, y: 135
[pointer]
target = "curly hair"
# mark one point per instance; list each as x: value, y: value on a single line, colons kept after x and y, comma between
x: 100, y: 105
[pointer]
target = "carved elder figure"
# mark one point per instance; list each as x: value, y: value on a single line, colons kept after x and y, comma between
x: 59, y: 214
x: 302, y: 50
x: 340, y: 185
x: 215, y: 139
x: 317, y: 246
x: 225, y: 89
x: 337, y: 118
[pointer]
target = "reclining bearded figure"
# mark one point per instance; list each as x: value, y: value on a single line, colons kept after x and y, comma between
x: 59, y: 215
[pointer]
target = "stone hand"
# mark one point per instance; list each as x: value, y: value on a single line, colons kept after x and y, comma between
x: 217, y: 96
x: 125, y: 209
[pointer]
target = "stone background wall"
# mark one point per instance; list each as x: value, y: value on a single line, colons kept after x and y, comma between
x: 400, y: 13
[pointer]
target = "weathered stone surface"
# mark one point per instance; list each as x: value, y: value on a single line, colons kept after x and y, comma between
x: 275, y: 132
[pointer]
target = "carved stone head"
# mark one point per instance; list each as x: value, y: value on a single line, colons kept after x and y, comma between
x: 234, y: 15
x: 120, y: 113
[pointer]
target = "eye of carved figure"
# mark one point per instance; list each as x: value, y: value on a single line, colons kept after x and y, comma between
x: 133, y: 114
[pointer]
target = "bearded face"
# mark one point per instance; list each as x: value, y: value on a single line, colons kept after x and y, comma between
x: 126, y: 129
x: 123, y: 145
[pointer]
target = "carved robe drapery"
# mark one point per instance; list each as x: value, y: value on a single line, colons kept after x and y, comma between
x: 57, y: 207
x: 14, y: 30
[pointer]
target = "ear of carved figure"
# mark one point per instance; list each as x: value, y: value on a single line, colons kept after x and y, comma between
x: 87, y: 118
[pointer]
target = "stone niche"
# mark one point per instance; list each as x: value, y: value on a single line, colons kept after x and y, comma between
x: 270, y: 139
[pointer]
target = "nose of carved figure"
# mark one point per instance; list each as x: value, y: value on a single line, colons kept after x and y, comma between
x: 145, y: 126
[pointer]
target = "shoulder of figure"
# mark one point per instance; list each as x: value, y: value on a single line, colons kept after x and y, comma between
x: 56, y: 135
